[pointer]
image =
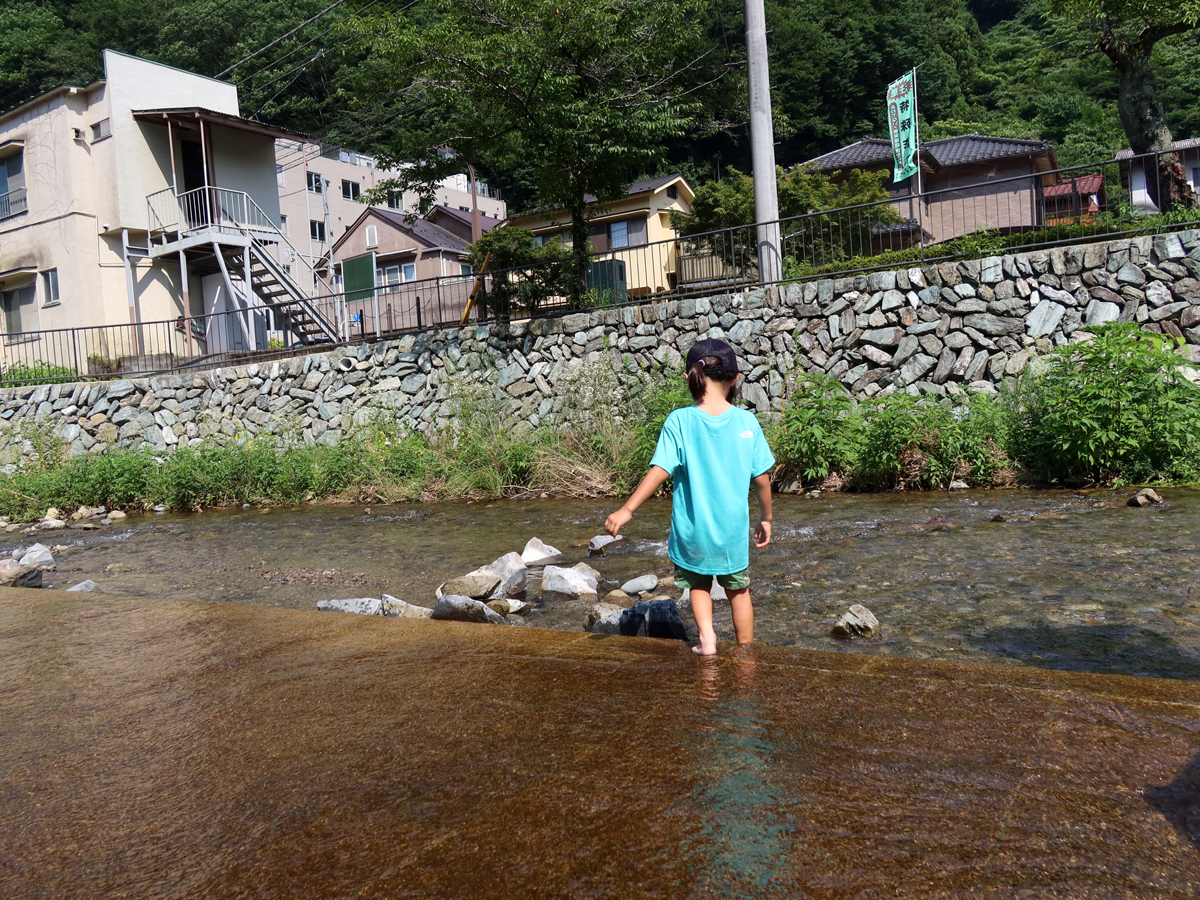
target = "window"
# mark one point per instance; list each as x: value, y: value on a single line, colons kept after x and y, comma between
x: 50, y: 287
x: 101, y: 130
x: 673, y: 191
x: 12, y: 185
x: 387, y: 276
x: 20, y: 310
x: 395, y: 201
x: 316, y: 230
x: 279, y: 176
x: 465, y: 208
x: 283, y: 223
x: 314, y: 183
x: 350, y: 189
x: 372, y: 236
x: 618, y: 233
x: 466, y: 269
x: 410, y: 271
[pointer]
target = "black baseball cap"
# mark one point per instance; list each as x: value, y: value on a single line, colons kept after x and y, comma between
x: 726, y: 363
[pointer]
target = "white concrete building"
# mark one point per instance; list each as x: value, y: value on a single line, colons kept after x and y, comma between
x: 1135, y: 172
x: 144, y: 198
x: 348, y: 176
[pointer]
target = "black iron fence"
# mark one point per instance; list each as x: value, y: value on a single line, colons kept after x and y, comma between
x: 1144, y: 194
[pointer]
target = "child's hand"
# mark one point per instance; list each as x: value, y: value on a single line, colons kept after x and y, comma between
x: 614, y: 522
x: 762, y: 534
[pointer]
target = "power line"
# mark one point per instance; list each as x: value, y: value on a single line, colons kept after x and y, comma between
x: 264, y: 49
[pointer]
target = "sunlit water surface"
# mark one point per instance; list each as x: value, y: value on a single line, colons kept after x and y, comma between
x: 1049, y: 578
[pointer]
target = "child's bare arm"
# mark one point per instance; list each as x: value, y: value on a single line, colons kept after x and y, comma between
x: 762, y: 488
x: 651, y: 483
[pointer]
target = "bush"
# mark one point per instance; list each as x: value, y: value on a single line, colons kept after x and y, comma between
x: 1115, y: 408
x: 40, y: 372
x: 820, y: 429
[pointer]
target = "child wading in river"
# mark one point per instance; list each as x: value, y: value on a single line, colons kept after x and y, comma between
x: 714, y: 451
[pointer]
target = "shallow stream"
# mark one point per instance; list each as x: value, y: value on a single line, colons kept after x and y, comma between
x: 1048, y: 578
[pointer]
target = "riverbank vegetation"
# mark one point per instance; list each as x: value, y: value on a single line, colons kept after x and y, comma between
x: 1114, y: 409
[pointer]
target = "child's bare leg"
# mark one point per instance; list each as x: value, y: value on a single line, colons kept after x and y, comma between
x: 702, y: 612
x: 743, y: 615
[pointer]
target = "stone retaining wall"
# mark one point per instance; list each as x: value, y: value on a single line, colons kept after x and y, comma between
x: 938, y: 329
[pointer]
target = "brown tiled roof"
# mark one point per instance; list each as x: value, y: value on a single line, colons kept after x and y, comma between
x: 465, y: 216
x: 424, y: 230
x: 952, y: 151
x: 1082, y: 184
x: 645, y: 186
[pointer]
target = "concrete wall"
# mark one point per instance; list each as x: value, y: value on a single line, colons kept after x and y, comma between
x: 940, y: 330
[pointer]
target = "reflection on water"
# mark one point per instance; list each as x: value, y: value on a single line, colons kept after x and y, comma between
x: 1052, y: 579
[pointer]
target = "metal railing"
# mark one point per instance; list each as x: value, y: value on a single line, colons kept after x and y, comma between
x: 1103, y: 200
x: 13, y: 203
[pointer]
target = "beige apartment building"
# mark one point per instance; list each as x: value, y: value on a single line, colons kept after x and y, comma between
x: 144, y: 209
x: 303, y: 167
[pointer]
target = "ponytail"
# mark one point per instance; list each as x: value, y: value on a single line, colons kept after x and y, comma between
x: 697, y: 379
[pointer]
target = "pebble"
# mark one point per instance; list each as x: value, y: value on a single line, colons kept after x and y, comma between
x: 639, y: 584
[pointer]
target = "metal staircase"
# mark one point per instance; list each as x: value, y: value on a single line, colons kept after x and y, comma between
x: 237, y: 231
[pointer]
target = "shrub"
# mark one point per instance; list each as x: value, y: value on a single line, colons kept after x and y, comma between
x: 1116, y: 407
x: 37, y: 373
x: 820, y: 430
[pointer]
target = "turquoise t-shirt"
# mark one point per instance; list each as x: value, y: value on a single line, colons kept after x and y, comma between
x: 712, y: 459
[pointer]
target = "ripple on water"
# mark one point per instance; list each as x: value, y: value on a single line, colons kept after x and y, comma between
x: 1064, y: 582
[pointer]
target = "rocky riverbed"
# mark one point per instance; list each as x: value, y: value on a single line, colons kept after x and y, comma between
x: 1048, y: 578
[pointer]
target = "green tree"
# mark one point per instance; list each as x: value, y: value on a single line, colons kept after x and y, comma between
x: 525, y: 272
x: 1127, y: 31
x: 574, y: 96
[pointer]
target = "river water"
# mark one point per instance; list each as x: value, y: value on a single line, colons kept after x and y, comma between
x: 1053, y: 579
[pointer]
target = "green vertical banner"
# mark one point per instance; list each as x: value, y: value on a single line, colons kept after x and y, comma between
x: 902, y: 124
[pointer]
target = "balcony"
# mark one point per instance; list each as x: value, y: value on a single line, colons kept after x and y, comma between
x: 13, y: 203
x: 204, y: 215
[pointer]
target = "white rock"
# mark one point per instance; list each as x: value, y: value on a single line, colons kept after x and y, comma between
x: 597, y: 544
x: 587, y: 572
x: 537, y: 553
x: 363, y: 606
x: 38, y: 555
x: 567, y: 585
x: 393, y: 606
x: 88, y: 585
x: 642, y: 583
x: 452, y: 608
x: 857, y: 621
x: 513, y: 574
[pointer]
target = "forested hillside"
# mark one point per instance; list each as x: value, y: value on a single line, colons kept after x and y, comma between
x: 1000, y: 66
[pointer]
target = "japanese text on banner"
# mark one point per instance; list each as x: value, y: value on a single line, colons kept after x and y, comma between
x: 902, y: 124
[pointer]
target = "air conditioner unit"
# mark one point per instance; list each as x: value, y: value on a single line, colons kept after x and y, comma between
x: 78, y: 132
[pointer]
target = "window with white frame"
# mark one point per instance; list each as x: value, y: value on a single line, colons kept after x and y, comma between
x: 316, y: 230
x: 410, y: 271
x: 50, y: 287
x: 387, y: 276
x: 351, y: 190
x: 466, y: 269
x: 279, y: 180
x: 395, y: 201
x: 20, y: 310
x: 372, y: 236
x: 283, y: 223
x: 314, y: 182
x: 101, y: 130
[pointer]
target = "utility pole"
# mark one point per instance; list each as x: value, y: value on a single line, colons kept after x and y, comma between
x: 762, y: 146
x: 476, y: 221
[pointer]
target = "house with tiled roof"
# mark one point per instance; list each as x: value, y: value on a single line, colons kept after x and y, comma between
x: 399, y: 271
x: 969, y: 182
x: 642, y: 216
x: 1135, y: 173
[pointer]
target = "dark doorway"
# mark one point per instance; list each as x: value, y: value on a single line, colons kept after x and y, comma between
x: 195, y: 206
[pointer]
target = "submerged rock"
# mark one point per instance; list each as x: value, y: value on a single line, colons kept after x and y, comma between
x: 451, y: 608
x: 650, y: 618
x: 13, y: 574
x: 363, y: 606
x: 565, y: 585
x: 1145, y: 497
x: 619, y: 599
x: 857, y: 621
x: 642, y: 583
x: 88, y: 586
x: 538, y: 553
x: 477, y: 587
x: 597, y: 544
x: 393, y: 606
